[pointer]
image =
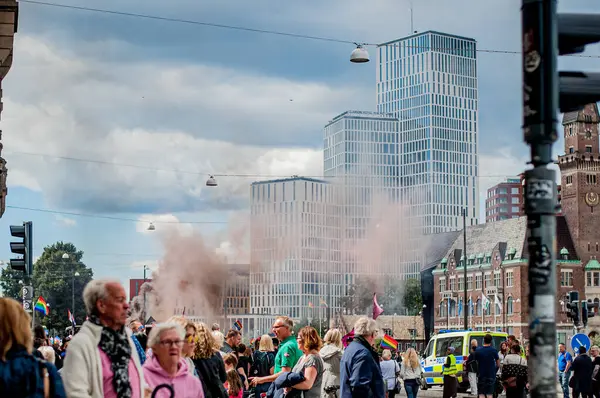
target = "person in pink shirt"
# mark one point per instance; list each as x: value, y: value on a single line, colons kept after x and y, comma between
x: 102, y: 361
x: 167, y: 365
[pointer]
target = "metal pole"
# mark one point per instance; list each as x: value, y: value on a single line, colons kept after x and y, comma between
x: 540, y: 104
x: 73, y: 294
x: 466, y: 313
x: 144, y: 309
x: 329, y: 298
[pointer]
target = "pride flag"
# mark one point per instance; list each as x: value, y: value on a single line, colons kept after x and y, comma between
x: 389, y: 342
x: 311, y: 305
x: 238, y: 325
x: 323, y: 303
x: 41, y: 306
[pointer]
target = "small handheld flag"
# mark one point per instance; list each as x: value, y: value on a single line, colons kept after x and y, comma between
x: 311, y: 305
x: 41, y: 306
x: 389, y: 342
x: 323, y: 303
x: 71, y: 318
x: 238, y: 325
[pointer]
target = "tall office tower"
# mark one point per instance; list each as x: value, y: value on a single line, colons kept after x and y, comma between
x: 429, y: 81
x: 361, y: 161
x: 295, y: 249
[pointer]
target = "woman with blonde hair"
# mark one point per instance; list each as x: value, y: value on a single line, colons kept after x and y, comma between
x: 22, y: 374
x: 410, y: 372
x: 209, y: 363
x: 263, y: 363
x: 331, y: 353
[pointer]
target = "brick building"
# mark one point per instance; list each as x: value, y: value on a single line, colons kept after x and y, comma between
x: 135, y: 286
x: 504, y: 200
x: 9, y: 20
x: 580, y: 172
x: 497, y: 274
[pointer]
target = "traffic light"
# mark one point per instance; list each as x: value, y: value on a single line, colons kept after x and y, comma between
x: 584, y: 312
x: 23, y: 247
x: 577, y: 89
x: 592, y: 308
x: 573, y: 307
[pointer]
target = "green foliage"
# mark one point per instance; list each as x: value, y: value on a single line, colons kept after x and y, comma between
x: 9, y: 282
x: 314, y: 323
x: 413, y: 299
x: 394, y: 295
x: 54, y: 279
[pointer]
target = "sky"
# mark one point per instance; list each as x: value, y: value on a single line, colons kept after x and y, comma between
x: 111, y: 122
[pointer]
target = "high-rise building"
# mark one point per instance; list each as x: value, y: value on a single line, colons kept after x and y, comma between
x: 295, y: 249
x: 361, y: 160
x: 429, y: 82
x: 504, y: 200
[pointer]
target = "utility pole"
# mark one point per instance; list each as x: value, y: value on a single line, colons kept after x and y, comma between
x: 146, y: 268
x: 329, y: 297
x: 540, y: 105
x: 465, y: 310
x: 546, y: 35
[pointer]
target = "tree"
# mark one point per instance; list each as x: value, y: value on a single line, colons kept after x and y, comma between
x: 359, y: 299
x: 54, y: 279
x: 314, y: 323
x: 9, y: 282
x: 413, y: 299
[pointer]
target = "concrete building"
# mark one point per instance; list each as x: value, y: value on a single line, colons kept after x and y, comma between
x: 429, y: 82
x: 295, y: 249
x: 497, y: 279
x: 361, y: 160
x: 9, y: 13
x: 504, y: 200
x: 237, y: 288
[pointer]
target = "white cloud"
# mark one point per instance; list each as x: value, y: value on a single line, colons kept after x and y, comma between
x: 68, y: 222
x: 194, y: 118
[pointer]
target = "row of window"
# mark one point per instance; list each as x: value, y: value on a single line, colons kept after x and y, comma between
x: 590, y: 179
x: 492, y: 306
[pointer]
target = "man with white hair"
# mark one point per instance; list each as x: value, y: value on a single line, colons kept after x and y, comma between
x: 102, y: 360
x: 360, y: 373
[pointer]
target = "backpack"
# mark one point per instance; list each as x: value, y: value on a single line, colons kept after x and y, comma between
x: 262, y: 362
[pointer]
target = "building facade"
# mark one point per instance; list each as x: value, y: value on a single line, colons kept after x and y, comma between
x: 135, y: 286
x: 361, y: 160
x: 504, y: 201
x: 9, y: 15
x: 429, y: 82
x: 497, y: 275
x: 295, y: 249
x: 237, y: 288
x: 580, y: 188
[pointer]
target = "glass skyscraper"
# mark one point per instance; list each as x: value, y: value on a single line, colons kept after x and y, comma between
x: 429, y: 82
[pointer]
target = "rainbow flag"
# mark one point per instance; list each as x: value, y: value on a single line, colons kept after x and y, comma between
x: 323, y: 303
x: 41, y: 306
x: 389, y: 342
x: 238, y: 325
x: 311, y: 305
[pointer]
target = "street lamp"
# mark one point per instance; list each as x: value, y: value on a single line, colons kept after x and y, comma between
x: 151, y: 227
x: 211, y: 182
x: 360, y: 55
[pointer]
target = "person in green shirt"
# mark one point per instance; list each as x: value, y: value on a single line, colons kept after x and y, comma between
x: 288, y: 353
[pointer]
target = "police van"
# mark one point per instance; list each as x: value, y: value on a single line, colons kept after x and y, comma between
x: 434, y: 356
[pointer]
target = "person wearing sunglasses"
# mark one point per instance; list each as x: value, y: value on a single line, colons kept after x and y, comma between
x: 167, y: 365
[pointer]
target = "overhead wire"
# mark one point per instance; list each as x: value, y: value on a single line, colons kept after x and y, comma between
x: 254, y: 30
x: 199, y: 173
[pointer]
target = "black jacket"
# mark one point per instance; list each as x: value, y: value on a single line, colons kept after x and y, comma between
x: 212, y: 375
x: 582, y: 373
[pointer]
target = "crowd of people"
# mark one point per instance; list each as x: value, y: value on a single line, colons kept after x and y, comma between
x: 115, y: 357
x: 580, y: 374
x: 112, y: 356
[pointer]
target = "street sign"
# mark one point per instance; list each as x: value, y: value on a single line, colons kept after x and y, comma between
x: 27, y: 305
x: 579, y: 340
x: 27, y: 292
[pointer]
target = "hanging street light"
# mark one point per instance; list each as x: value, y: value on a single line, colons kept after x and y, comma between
x: 151, y: 227
x: 211, y: 182
x: 359, y: 55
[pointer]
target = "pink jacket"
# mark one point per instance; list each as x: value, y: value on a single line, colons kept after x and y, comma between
x: 184, y: 383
